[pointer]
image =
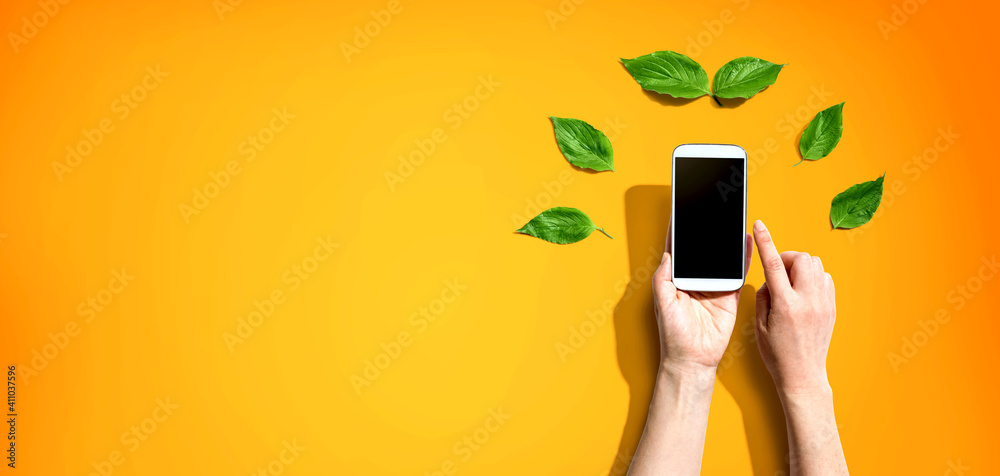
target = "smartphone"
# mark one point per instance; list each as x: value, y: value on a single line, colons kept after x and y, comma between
x: 709, y: 217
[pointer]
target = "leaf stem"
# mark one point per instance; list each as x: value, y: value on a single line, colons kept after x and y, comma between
x: 605, y: 233
x: 799, y: 162
x: 717, y: 101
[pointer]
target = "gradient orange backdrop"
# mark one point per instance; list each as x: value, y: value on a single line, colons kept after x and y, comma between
x: 168, y: 377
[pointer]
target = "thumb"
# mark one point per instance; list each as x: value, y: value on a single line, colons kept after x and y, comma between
x: 662, y: 279
x: 763, y: 307
x: 665, y: 271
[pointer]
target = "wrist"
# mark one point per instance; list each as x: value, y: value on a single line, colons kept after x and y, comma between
x: 813, y: 392
x: 688, y: 377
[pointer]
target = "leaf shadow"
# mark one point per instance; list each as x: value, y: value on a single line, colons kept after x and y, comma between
x: 667, y: 100
x: 647, y: 217
x: 730, y: 103
x: 798, y: 140
x: 586, y: 171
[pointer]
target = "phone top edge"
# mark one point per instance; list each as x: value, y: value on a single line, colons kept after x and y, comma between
x: 709, y: 150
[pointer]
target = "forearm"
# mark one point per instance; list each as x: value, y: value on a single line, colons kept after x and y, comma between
x: 813, y: 439
x: 674, y: 438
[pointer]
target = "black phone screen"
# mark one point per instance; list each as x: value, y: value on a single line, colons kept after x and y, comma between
x: 709, y: 232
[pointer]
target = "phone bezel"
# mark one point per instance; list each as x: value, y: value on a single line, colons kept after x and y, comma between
x: 720, y: 151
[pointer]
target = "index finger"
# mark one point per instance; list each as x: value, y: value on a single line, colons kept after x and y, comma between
x: 774, y: 267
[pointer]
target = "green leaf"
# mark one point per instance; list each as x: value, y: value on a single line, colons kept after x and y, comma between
x: 666, y: 72
x: 561, y: 225
x: 822, y: 134
x: 856, y: 206
x: 744, y: 77
x: 582, y: 145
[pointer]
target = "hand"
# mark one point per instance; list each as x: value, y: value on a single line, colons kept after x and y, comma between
x: 694, y: 326
x: 694, y: 332
x: 796, y: 310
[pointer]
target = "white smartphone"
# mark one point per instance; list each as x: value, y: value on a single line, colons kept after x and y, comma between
x: 709, y: 217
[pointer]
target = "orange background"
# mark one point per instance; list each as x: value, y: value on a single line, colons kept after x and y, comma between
x: 501, y: 343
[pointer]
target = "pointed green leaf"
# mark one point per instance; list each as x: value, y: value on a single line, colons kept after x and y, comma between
x: 822, y: 134
x: 666, y: 72
x: 582, y: 145
x: 856, y: 206
x: 560, y: 225
x: 744, y: 77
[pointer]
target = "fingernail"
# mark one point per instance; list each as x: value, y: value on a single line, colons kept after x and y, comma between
x: 759, y: 226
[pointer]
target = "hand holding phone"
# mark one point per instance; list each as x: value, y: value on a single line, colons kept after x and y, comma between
x: 695, y: 326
